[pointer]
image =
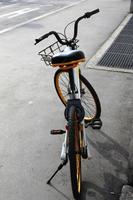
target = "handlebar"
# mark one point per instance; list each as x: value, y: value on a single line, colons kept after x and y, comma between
x: 66, y: 42
x: 47, y: 35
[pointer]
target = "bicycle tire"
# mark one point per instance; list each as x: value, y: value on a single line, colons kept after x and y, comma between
x: 74, y: 153
x: 89, y: 97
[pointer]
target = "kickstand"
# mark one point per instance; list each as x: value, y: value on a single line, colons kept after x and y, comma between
x: 58, y: 169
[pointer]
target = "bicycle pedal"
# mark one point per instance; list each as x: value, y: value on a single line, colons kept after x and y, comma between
x: 57, y: 132
x: 96, y: 124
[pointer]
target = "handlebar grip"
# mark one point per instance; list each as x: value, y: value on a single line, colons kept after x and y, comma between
x: 95, y: 11
x: 41, y: 38
x: 48, y: 34
x: 89, y: 14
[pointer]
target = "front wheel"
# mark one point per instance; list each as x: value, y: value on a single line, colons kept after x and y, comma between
x: 89, y: 98
x: 74, y: 152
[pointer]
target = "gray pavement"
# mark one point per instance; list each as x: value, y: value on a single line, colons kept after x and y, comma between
x: 29, y: 108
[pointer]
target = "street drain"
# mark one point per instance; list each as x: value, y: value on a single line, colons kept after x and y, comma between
x: 116, y: 54
x: 120, y: 53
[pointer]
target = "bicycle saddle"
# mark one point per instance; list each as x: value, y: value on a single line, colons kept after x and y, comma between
x: 68, y: 58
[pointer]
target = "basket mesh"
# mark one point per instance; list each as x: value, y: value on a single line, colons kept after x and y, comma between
x: 48, y: 52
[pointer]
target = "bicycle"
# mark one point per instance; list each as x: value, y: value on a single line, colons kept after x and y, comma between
x: 82, y: 105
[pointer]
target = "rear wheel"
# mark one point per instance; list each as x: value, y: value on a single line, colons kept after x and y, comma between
x: 74, y: 152
x: 89, y: 98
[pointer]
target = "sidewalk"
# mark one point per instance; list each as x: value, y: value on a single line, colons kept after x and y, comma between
x: 28, y: 161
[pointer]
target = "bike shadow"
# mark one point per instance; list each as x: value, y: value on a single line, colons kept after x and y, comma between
x: 111, y: 167
x: 109, y: 149
x: 92, y: 191
x: 62, y: 195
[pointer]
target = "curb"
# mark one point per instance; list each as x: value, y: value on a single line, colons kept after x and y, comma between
x: 130, y: 164
x: 127, y: 193
x: 127, y: 190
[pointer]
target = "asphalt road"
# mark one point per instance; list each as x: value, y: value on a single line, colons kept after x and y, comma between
x: 14, y: 13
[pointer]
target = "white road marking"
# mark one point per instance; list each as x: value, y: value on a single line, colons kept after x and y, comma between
x: 14, y: 12
x: 7, y: 6
x: 37, y: 18
x: 22, y: 12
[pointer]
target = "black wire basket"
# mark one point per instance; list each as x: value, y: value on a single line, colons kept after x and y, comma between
x: 51, y: 50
